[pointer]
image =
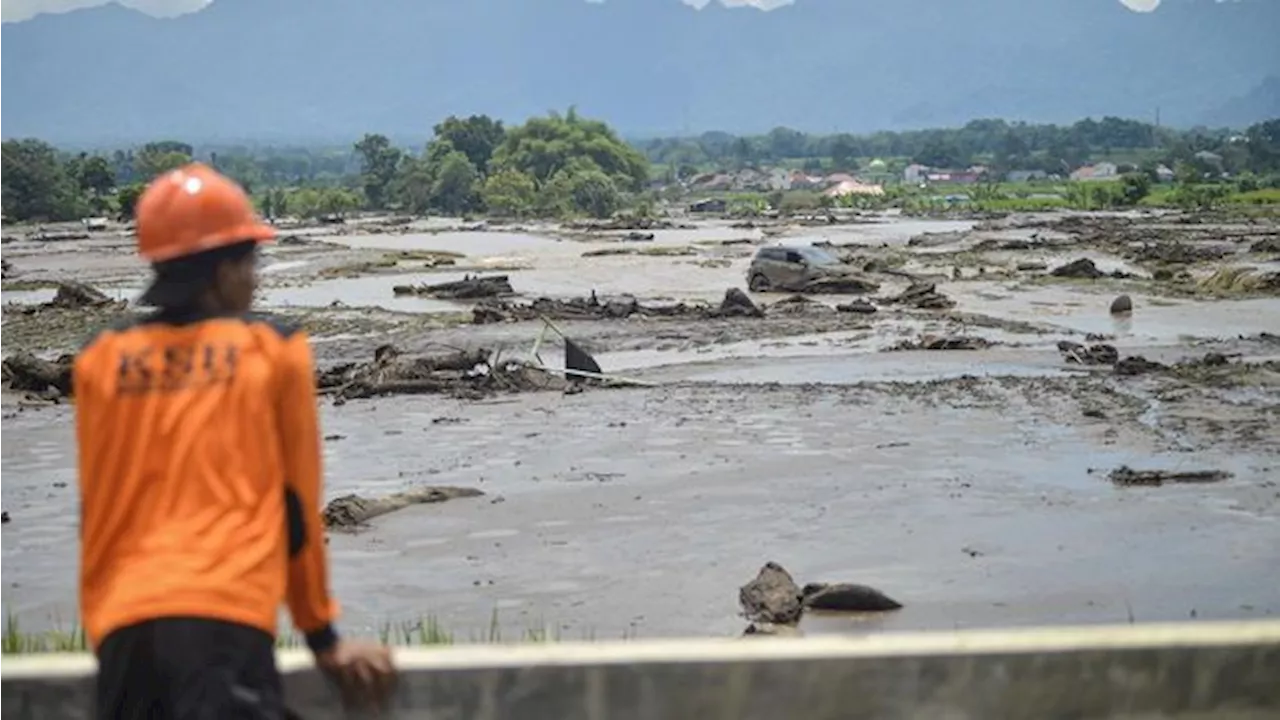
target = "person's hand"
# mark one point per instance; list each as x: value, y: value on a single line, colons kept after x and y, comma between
x: 362, y: 670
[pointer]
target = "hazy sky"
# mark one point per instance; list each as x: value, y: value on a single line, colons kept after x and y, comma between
x: 23, y: 9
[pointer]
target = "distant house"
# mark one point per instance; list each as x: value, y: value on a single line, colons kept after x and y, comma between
x: 1100, y: 171
x: 962, y: 177
x: 710, y: 205
x: 837, y: 178
x: 1021, y: 176
x: 853, y: 186
x: 915, y: 173
x: 1164, y: 174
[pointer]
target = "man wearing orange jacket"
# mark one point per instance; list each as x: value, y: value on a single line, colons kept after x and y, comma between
x: 200, y: 479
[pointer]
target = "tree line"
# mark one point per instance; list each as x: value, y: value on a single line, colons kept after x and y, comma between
x: 565, y: 164
x: 1001, y: 145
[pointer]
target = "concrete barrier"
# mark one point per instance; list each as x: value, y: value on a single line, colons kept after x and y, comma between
x: 1138, y: 672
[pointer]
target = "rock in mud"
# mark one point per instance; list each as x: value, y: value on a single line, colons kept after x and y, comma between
x: 468, y: 288
x: 4, y: 517
x: 637, y: 236
x: 737, y: 304
x: 1137, y: 365
x: 1082, y: 268
x: 936, y: 239
x: 772, y: 597
x: 351, y: 512
x: 923, y: 295
x: 468, y: 374
x: 7, y: 269
x: 1122, y: 305
x: 1100, y: 354
x: 846, y: 597
x: 75, y: 295
x: 26, y: 372
x: 1032, y: 266
x: 1127, y: 476
x: 861, y: 307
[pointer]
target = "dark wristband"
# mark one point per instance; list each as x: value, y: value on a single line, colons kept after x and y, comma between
x: 323, y: 639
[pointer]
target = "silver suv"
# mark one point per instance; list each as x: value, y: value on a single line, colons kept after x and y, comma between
x: 791, y: 269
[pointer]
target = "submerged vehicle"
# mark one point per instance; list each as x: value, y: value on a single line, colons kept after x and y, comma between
x: 803, y: 268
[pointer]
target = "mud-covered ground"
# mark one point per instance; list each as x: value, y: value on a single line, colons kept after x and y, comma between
x: 970, y: 484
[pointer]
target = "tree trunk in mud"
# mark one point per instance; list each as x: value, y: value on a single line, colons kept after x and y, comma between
x: 350, y: 512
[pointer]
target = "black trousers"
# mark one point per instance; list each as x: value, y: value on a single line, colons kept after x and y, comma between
x: 188, y: 669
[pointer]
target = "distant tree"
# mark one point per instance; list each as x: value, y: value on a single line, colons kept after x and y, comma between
x: 454, y: 189
x: 1134, y: 187
x: 509, y: 193
x: 594, y: 193
x: 127, y: 197
x: 543, y: 146
x: 96, y: 175
x: 844, y: 153
x: 413, y: 185
x: 156, y: 158
x: 938, y: 153
x: 35, y: 184
x: 476, y: 137
x: 379, y: 163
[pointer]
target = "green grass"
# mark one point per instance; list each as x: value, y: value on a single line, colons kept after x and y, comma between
x: 425, y: 631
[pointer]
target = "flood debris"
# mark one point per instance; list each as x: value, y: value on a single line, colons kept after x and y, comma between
x: 1082, y: 268
x: 1099, y: 354
x: 626, y: 223
x: 1122, y: 305
x: 23, y: 371
x: 1137, y: 365
x: 353, y: 512
x: 470, y: 287
x: 858, y: 306
x: 73, y: 295
x: 4, y: 516
x: 1127, y: 476
x: 460, y: 373
x: 847, y: 283
x: 798, y: 305
x: 1241, y: 280
x: 7, y: 269
x: 846, y: 597
x: 1266, y: 245
x: 773, y: 601
x: 593, y: 307
x: 922, y: 295
x: 944, y: 342
x: 637, y: 236
x: 1178, y: 253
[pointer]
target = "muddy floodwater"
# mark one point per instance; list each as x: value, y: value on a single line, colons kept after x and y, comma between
x: 957, y: 458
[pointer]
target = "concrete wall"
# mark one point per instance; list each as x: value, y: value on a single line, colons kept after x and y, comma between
x: 1202, y: 670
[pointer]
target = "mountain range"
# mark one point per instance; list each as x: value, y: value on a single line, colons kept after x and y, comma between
x: 334, y: 69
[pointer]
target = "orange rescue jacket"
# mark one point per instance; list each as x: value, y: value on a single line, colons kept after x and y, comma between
x: 200, y: 476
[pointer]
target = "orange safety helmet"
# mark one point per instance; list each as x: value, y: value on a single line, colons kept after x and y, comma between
x: 193, y: 209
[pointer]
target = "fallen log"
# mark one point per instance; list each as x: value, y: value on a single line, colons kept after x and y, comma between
x: 352, y: 512
x: 468, y: 288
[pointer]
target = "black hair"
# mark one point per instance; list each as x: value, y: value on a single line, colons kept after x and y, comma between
x: 180, y: 283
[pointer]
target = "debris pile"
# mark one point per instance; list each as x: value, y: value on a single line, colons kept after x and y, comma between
x: 353, y: 512
x: 1137, y: 365
x: 7, y: 269
x: 1241, y: 280
x: 798, y: 305
x: 23, y: 371
x: 944, y: 342
x: 773, y: 603
x: 859, y: 306
x: 470, y: 287
x: 1100, y: 354
x: 840, y: 284
x: 1178, y: 253
x: 1082, y: 268
x: 922, y: 295
x: 1127, y: 476
x: 468, y: 374
x: 735, y: 304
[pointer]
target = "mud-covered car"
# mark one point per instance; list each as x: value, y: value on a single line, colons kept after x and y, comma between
x: 804, y: 268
